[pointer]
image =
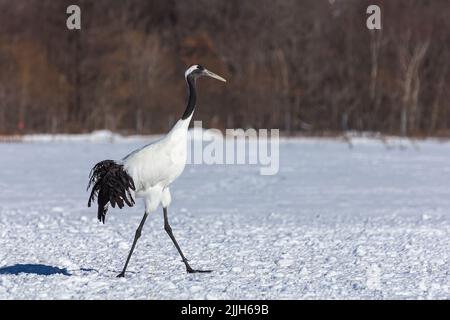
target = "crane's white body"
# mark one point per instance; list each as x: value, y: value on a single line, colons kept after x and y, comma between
x: 155, y: 166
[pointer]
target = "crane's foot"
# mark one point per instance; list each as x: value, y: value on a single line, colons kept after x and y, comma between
x: 121, y: 275
x: 190, y: 270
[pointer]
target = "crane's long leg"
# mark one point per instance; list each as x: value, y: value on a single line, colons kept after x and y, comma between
x: 170, y: 233
x: 136, y: 237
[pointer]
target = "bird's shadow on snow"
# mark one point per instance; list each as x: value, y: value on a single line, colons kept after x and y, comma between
x: 38, y: 269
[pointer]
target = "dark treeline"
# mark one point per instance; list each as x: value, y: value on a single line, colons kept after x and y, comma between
x: 301, y: 66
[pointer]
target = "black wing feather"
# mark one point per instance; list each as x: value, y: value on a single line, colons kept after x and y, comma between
x: 111, y: 184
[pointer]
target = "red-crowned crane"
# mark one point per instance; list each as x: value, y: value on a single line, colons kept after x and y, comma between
x: 149, y: 171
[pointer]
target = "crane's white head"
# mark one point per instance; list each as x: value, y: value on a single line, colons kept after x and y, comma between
x: 197, y: 71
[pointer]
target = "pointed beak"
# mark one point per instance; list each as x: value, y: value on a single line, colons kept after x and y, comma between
x: 213, y: 75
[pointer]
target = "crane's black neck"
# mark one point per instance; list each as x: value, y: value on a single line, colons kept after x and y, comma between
x: 192, y: 100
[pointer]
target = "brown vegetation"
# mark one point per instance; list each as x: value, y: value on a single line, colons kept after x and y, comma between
x: 301, y: 66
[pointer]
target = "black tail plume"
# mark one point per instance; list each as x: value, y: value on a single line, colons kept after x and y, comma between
x: 110, y: 184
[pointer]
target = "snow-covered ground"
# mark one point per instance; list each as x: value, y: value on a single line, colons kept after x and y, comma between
x: 335, y: 222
